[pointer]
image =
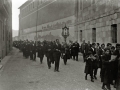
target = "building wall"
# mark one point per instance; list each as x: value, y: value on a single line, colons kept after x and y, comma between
x: 5, y: 27
x: 52, y: 17
x: 98, y: 14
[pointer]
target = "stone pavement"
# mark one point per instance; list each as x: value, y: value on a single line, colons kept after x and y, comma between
x: 6, y: 58
x: 23, y: 74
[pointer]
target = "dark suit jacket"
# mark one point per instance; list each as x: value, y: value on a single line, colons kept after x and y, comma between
x: 57, y: 48
x: 93, y: 51
x: 84, y: 48
x: 40, y: 50
x: 49, y: 50
x: 101, y: 52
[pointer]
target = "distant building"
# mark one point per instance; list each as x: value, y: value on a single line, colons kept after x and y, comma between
x: 5, y: 27
x: 14, y: 33
x: 98, y: 21
x: 50, y: 16
x: 16, y: 38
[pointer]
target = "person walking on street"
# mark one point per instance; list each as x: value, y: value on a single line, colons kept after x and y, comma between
x: 41, y: 50
x: 106, y: 77
x: 49, y: 54
x: 84, y: 50
x: 57, y: 54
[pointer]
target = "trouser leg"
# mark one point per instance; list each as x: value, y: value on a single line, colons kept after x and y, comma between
x: 73, y: 57
x: 34, y: 56
x: 41, y: 59
x: 58, y: 64
x: 77, y: 57
x: 95, y: 71
x: 55, y: 66
x: 48, y: 62
x: 84, y: 57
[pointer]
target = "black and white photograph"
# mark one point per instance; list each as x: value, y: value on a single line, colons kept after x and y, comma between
x: 59, y: 44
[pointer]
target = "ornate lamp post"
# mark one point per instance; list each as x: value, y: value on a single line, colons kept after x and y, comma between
x: 65, y: 32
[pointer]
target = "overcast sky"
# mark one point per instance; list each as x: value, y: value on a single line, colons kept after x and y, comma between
x: 15, y: 13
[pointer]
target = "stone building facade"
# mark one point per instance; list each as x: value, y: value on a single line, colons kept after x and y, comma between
x: 44, y: 19
x: 5, y: 27
x: 98, y: 21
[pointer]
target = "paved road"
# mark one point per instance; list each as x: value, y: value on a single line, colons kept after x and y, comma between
x: 22, y: 74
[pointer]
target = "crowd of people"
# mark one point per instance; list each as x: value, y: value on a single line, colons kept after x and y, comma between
x: 105, y: 57
x: 95, y: 56
x: 53, y: 50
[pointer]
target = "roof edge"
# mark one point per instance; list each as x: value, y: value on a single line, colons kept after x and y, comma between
x: 23, y: 4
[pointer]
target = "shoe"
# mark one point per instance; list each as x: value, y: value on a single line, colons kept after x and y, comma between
x: 108, y: 87
x: 103, y: 87
x: 92, y: 80
x: 49, y: 67
x: 85, y: 77
x: 115, y: 86
x: 58, y: 71
x: 95, y: 77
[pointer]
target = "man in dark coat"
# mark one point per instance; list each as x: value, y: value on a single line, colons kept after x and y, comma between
x: 75, y: 48
x: 84, y: 49
x: 31, y: 50
x: 49, y: 54
x: 57, y: 54
x: 100, y: 54
x: 40, y: 50
x: 117, y: 67
x: 118, y: 76
x: 70, y: 47
x: 87, y: 48
x: 34, y: 49
x: 65, y: 53
x: 24, y: 49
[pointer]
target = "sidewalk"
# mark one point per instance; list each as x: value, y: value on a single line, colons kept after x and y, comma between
x: 6, y: 58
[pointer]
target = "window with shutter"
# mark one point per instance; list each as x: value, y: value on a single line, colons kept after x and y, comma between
x: 94, y: 35
x: 81, y: 35
x: 114, y: 33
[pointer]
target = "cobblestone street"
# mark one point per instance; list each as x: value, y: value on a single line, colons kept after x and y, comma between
x: 23, y: 74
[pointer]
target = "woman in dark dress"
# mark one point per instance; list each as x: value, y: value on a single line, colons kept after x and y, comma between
x: 106, y: 77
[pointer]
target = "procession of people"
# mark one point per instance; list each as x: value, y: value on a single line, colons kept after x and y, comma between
x: 95, y: 56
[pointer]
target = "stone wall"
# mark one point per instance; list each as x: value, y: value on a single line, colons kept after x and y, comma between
x: 53, y: 28
x: 99, y: 14
x: 5, y: 27
x: 52, y: 17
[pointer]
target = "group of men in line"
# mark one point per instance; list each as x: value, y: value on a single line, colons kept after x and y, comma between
x: 94, y: 55
x: 53, y: 50
x: 107, y: 58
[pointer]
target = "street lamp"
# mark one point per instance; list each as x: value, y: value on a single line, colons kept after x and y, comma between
x: 65, y: 32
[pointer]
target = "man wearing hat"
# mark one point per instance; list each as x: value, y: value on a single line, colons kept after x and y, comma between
x: 57, y: 54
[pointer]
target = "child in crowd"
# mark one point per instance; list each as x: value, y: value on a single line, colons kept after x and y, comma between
x: 106, y: 69
x: 89, y: 66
